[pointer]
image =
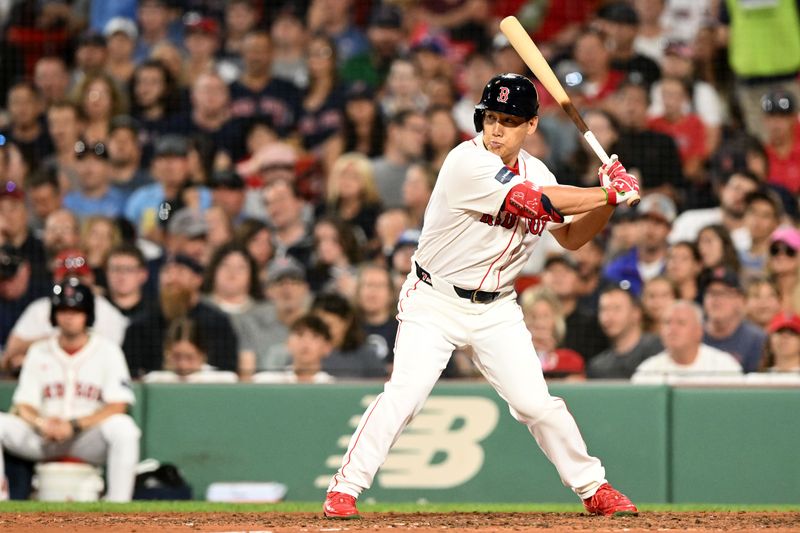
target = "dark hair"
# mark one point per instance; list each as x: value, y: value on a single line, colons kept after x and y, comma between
x: 45, y: 175
x: 730, y: 257
x: 346, y: 237
x: 377, y: 135
x: 401, y: 117
x: 628, y: 83
x: 765, y: 195
x: 692, y: 246
x: 68, y: 104
x: 128, y: 250
x: 336, y: 304
x: 744, y: 173
x: 254, y: 289
x: 186, y: 329
x: 25, y: 84
x: 312, y: 323
x: 168, y: 99
x: 610, y: 287
x: 248, y: 228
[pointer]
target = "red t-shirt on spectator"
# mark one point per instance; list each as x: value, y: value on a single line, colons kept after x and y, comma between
x: 785, y: 171
x: 689, y: 134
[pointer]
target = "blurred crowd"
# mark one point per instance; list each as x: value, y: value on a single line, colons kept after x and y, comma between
x: 242, y: 184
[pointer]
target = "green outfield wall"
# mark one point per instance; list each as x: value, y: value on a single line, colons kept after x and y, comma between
x: 657, y: 443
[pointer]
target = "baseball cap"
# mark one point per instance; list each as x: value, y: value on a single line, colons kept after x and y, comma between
x: 10, y: 189
x: 778, y: 103
x: 359, y: 90
x: 787, y: 235
x: 430, y: 44
x: 619, y: 12
x: 185, y: 260
x: 71, y: 262
x: 386, y: 16
x: 121, y: 25
x: 409, y: 237
x: 226, y: 179
x: 561, y: 259
x: 10, y: 260
x: 97, y: 149
x: 722, y: 275
x: 657, y: 205
x: 189, y: 223
x: 784, y: 320
x: 282, y: 268
x: 171, y: 144
x: 195, y: 23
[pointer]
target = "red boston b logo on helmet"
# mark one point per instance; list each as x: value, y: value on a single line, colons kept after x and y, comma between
x: 503, y: 96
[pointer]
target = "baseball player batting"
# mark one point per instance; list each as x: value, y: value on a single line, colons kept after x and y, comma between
x: 72, y: 395
x: 491, y: 203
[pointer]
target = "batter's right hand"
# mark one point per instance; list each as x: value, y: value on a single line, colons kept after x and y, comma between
x: 608, y: 171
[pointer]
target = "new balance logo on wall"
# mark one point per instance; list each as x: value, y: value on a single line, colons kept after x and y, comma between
x: 440, y: 449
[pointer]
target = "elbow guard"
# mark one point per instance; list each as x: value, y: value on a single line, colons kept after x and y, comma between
x: 528, y: 201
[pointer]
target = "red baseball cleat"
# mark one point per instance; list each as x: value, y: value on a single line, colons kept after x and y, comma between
x: 608, y: 501
x: 340, y: 505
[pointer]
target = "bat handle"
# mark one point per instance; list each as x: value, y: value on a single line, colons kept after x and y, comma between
x: 601, y: 153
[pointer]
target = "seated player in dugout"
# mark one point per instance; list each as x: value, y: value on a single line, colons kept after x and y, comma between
x: 491, y: 202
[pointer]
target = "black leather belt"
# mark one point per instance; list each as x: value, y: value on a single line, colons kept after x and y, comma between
x: 474, y: 296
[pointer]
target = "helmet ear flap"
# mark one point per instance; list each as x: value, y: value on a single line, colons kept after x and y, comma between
x: 478, y: 118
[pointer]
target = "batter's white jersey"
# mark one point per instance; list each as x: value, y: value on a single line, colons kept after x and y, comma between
x: 466, y: 239
x: 73, y: 386
x: 34, y: 323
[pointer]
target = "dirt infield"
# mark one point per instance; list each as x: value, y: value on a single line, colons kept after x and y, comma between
x: 391, y: 522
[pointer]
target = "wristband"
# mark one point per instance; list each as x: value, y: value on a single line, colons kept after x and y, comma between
x: 76, y: 427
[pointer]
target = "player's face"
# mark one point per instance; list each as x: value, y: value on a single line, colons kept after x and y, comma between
x: 71, y: 322
x: 503, y: 134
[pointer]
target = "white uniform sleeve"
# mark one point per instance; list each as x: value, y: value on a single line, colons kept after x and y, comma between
x: 34, y: 322
x: 30, y: 386
x: 117, y: 384
x: 476, y: 180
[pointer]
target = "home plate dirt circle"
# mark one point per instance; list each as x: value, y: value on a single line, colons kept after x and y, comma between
x: 394, y: 522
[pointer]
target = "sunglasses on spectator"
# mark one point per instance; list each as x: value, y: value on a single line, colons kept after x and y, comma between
x: 777, y: 248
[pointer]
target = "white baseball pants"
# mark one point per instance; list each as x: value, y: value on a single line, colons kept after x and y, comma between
x: 432, y: 325
x: 114, y: 443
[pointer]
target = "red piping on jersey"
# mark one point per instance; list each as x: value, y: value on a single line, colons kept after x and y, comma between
x: 350, y: 454
x: 499, y: 256
x: 499, y: 270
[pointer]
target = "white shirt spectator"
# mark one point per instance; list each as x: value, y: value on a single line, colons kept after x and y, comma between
x: 34, y: 323
x: 206, y: 375
x: 689, y: 223
x: 709, y: 364
x: 705, y: 102
x: 288, y: 376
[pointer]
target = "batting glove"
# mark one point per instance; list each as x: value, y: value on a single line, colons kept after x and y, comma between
x: 622, y: 187
x: 608, y: 171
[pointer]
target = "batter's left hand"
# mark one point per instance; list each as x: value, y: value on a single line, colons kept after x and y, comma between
x: 608, y: 171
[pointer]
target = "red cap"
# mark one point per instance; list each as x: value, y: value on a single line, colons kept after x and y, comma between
x: 202, y: 25
x: 70, y: 263
x: 11, y: 189
x: 784, y: 321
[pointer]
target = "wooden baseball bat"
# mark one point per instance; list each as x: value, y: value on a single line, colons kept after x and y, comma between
x: 532, y: 57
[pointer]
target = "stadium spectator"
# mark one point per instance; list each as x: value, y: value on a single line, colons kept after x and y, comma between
x: 241, y: 17
x: 334, y: 19
x: 99, y: 235
x: 154, y: 18
x: 323, y: 104
x: 125, y: 156
x: 582, y: 166
x: 186, y: 357
x: 287, y: 289
x: 729, y: 213
x: 285, y: 211
x: 762, y: 302
x: 228, y: 193
x: 309, y: 343
x: 685, y: 356
x: 405, y: 142
x: 44, y: 191
x: 782, y: 353
x: 75, y: 406
x: 34, y: 324
x: 256, y: 236
x: 762, y: 215
x: 352, y: 196
x: 64, y: 124
x: 651, y: 154
x: 95, y: 195
x: 647, y: 258
x: 121, y: 35
x: 683, y: 268
x: 351, y: 356
x: 126, y: 273
x: 289, y: 39
x: 593, y: 61
x: 375, y: 302
x: 403, y: 90
x: 387, y: 42
x: 443, y: 135
x: 782, y: 139
x: 51, y: 78
x: 621, y: 316
x: 541, y: 311
x: 658, y: 293
x: 15, y: 229
x: 257, y: 92
x: 336, y: 257
x: 188, y: 234
x: 478, y: 70
x: 560, y: 275
x: 154, y: 100
x: 783, y: 266
x: 100, y: 101
x: 400, y: 263
x: 417, y: 190
x: 651, y: 36
x: 25, y: 128
x: 590, y: 258
x: 726, y: 327
x: 17, y: 288
x: 362, y: 128
x: 619, y: 21
x: 91, y: 55
x: 180, y: 279
x: 388, y: 228
x: 145, y: 207
x: 202, y: 39
x: 717, y: 250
